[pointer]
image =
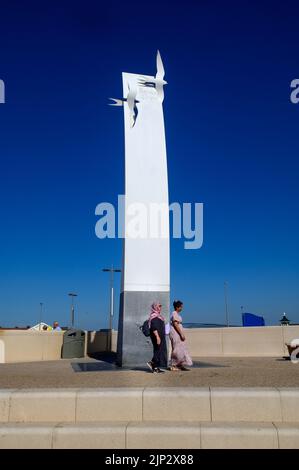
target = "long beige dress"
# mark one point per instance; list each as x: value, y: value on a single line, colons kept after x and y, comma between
x: 179, y: 354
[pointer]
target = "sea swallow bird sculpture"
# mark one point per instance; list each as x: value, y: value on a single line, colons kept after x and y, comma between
x: 131, y: 101
x: 117, y: 102
x: 158, y: 82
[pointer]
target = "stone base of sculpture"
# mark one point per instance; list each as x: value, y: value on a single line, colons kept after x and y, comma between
x: 133, y: 348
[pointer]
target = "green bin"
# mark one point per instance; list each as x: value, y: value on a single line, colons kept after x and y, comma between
x: 73, y: 344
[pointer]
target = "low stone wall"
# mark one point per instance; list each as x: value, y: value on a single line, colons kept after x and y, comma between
x: 97, y: 341
x: 28, y: 345
x: 236, y: 341
x: 240, y: 341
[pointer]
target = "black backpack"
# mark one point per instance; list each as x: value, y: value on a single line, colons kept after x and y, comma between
x: 145, y: 328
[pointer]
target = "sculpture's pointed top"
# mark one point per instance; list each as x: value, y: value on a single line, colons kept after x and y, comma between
x: 160, y: 68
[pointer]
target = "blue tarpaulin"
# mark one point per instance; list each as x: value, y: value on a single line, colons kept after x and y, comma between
x: 249, y: 319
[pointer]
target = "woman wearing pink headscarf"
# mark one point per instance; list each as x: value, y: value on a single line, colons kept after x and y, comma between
x: 157, y: 334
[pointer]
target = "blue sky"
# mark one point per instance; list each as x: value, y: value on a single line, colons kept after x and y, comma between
x: 232, y: 141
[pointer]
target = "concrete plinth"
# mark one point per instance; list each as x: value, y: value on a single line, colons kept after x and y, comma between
x: 133, y: 348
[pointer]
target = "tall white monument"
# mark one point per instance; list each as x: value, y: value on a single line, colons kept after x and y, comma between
x: 145, y: 275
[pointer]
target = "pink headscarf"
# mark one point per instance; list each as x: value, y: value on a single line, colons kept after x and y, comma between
x: 156, y: 312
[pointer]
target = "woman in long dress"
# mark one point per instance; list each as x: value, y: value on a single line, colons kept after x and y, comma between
x: 180, y: 357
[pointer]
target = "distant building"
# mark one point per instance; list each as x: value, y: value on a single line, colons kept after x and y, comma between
x: 41, y: 327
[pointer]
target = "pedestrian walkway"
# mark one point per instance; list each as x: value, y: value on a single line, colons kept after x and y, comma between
x: 207, y: 372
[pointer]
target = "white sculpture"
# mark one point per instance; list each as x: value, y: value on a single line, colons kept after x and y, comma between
x: 145, y: 275
x: 132, y: 103
x: 158, y: 82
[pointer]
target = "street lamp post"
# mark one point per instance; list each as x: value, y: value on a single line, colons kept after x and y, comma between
x: 225, y: 301
x: 40, y: 315
x: 72, y: 295
x: 112, y: 270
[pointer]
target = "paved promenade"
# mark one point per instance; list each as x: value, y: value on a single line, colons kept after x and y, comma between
x: 207, y: 372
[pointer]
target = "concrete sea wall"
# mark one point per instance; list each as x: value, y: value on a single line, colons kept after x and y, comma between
x: 27, y: 346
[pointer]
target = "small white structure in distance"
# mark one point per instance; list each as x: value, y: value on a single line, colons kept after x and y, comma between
x: 39, y: 327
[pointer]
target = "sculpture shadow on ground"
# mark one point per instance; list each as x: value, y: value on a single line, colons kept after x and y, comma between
x: 105, y: 362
